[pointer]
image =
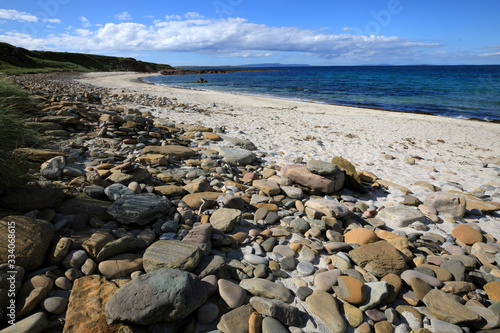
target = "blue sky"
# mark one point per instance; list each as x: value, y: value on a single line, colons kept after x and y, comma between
x: 233, y: 32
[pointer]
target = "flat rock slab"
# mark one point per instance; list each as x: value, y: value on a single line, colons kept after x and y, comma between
x: 86, y: 305
x: 139, y: 209
x: 171, y: 254
x: 163, y: 295
x: 446, y: 308
x: 400, y: 216
x: 171, y: 150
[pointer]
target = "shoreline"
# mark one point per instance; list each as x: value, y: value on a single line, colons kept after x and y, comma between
x: 494, y: 121
x: 403, y: 148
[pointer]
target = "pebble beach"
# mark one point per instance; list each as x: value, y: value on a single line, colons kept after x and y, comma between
x: 175, y: 210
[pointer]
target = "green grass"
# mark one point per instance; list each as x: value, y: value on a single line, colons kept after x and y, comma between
x: 15, y: 107
x: 16, y: 61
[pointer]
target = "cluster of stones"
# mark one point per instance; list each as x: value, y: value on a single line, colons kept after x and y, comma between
x: 142, y: 225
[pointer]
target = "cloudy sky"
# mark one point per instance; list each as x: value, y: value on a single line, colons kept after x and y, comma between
x: 233, y: 32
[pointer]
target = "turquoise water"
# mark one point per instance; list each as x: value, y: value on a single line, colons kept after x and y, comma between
x: 471, y: 92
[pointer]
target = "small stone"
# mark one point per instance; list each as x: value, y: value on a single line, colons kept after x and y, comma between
x: 267, y: 289
x: 287, y: 314
x: 305, y: 268
x: 360, y: 236
x: 55, y: 305
x: 353, y: 314
x: 225, y: 219
x: 237, y: 320
x: 325, y: 307
x: 492, y: 289
x: 326, y: 280
x: 231, y: 293
x: 272, y: 325
x: 383, y: 327
x: 350, y: 290
x: 303, y: 292
x: 207, y: 313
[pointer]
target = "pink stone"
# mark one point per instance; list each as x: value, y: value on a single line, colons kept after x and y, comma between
x: 299, y: 174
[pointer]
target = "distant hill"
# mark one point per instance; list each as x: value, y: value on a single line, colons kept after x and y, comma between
x: 16, y: 60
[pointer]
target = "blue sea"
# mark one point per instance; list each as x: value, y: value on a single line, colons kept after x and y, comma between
x: 469, y: 92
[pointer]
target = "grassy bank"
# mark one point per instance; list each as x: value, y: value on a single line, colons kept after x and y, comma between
x: 15, y: 107
x: 16, y: 61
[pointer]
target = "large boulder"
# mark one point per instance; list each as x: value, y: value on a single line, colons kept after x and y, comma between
x: 163, y: 295
x: 139, y: 209
x: 301, y: 175
x: 29, y: 238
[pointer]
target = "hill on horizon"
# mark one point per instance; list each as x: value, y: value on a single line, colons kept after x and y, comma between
x: 16, y: 60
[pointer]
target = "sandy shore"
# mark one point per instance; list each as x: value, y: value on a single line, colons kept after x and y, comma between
x: 447, y: 151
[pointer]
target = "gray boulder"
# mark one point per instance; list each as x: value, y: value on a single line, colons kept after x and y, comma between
x: 163, y: 295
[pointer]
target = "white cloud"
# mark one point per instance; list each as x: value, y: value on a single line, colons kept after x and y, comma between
x: 226, y: 37
x: 124, y: 16
x: 85, y: 21
x: 12, y: 14
x: 347, y: 29
x: 192, y: 15
x: 172, y: 17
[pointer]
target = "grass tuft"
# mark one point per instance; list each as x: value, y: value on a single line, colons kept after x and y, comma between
x: 15, y: 108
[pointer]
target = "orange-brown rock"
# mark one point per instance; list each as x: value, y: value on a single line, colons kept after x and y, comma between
x: 492, y: 289
x: 350, y: 290
x: 360, y: 236
x: 85, y: 312
x: 467, y: 234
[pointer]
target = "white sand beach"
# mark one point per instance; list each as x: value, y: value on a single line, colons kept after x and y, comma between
x: 446, y: 151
